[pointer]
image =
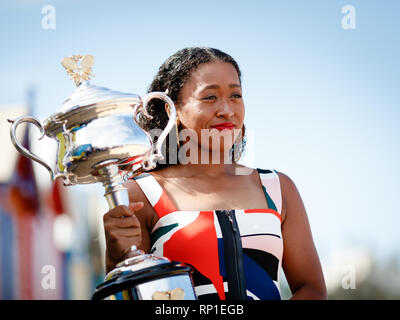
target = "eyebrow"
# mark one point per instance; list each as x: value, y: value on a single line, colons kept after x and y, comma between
x: 215, y: 86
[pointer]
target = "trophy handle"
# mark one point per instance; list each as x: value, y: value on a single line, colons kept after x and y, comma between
x: 156, y: 154
x: 20, y: 148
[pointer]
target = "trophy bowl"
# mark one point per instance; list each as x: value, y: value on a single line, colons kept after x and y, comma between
x: 89, y: 134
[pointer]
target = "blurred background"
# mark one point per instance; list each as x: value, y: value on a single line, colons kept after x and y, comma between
x: 321, y: 88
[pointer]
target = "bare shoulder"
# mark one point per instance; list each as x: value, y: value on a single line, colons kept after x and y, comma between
x: 291, y: 198
x: 146, y: 215
x: 286, y: 181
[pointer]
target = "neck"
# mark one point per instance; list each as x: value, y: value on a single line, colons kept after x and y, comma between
x: 211, y: 170
x: 204, y: 162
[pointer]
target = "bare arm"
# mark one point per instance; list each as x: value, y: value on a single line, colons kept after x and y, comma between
x: 127, y: 226
x: 300, y: 259
x: 147, y: 216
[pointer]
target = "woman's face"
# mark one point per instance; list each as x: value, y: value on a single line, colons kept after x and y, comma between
x: 212, y: 99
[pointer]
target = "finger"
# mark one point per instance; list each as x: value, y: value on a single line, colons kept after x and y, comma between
x: 127, y: 222
x: 124, y: 234
x: 118, y: 212
x: 125, y: 211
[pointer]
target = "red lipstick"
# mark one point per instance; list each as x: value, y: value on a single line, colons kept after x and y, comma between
x: 223, y: 126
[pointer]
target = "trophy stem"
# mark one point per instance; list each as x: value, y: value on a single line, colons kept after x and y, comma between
x: 115, y: 193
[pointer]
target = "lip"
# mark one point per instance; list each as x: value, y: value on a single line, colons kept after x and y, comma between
x: 223, y: 126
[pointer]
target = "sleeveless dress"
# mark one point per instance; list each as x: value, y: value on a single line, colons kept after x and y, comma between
x: 234, y: 254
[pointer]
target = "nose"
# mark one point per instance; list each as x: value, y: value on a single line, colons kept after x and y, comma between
x: 225, y: 110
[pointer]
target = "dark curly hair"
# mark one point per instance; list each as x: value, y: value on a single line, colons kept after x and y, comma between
x: 171, y: 77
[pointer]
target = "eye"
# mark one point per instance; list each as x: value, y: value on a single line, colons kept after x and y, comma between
x: 210, y: 98
x: 236, y: 96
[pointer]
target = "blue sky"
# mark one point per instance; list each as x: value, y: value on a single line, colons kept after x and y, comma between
x: 322, y: 101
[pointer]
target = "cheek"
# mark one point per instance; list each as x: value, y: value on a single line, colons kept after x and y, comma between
x: 241, y: 112
x: 194, y: 117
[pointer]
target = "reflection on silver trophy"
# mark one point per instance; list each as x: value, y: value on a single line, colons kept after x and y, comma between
x: 99, y: 140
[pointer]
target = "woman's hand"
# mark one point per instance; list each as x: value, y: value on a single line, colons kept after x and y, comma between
x: 122, y: 230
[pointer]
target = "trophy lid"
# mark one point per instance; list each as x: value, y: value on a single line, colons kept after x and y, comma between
x: 80, y: 69
x: 88, y: 102
x: 86, y: 95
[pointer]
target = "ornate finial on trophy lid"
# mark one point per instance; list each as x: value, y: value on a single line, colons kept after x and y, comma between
x: 79, y: 67
x: 80, y: 70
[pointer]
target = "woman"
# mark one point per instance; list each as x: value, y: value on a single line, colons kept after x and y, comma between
x: 228, y: 222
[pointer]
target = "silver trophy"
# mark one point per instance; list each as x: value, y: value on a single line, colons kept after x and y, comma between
x: 99, y: 140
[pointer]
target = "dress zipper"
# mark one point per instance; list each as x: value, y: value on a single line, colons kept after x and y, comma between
x: 228, y: 214
x: 237, y: 256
